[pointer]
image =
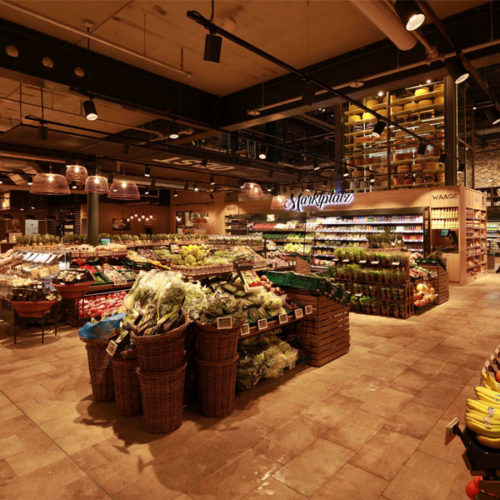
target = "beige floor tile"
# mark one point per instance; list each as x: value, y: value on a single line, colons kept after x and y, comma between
x: 410, y: 381
x: 272, y: 488
x: 386, y: 402
x: 352, y: 483
x: 423, y: 477
x: 6, y: 472
x: 331, y: 410
x: 385, y: 453
x: 309, y: 470
x: 290, y: 439
x: 415, y: 419
x: 236, y: 479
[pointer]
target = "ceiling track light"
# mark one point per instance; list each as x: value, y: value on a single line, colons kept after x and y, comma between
x: 212, y: 180
x: 175, y: 193
x: 263, y: 153
x: 410, y: 14
x: 74, y: 185
x: 308, y: 94
x: 195, y: 187
x: 456, y: 70
x: 379, y: 128
x: 422, y: 147
x: 147, y: 172
x: 213, y: 45
x: 90, y: 110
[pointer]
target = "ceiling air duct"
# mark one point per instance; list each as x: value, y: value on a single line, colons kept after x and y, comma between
x: 386, y: 21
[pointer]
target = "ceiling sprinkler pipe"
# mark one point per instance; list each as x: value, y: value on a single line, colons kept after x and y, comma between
x: 387, y: 22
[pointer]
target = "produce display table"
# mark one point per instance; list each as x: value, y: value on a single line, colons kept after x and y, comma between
x: 325, y: 333
x: 441, y: 284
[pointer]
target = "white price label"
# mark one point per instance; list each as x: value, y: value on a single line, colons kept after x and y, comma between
x: 299, y: 313
x: 283, y: 318
x: 245, y: 330
x: 224, y: 323
x: 308, y: 310
x: 112, y: 347
x: 262, y: 324
x: 395, y: 263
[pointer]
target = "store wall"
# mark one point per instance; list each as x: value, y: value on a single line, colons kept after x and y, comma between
x: 110, y: 211
x: 487, y: 164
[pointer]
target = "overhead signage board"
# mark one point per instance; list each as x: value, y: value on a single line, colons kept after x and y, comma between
x: 317, y: 200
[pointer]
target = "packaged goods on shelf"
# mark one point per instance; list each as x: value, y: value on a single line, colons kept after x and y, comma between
x: 102, y: 305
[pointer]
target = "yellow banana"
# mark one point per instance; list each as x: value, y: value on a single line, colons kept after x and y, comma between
x: 485, y: 394
x: 487, y: 441
x: 490, y: 381
x: 484, y: 407
x: 482, y: 417
x: 488, y: 430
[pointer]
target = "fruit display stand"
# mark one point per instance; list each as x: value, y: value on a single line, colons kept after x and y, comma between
x: 440, y: 283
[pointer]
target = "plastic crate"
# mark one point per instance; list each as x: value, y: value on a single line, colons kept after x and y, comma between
x: 279, y: 279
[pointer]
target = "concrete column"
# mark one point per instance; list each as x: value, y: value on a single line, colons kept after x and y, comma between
x: 450, y: 129
x: 93, y: 218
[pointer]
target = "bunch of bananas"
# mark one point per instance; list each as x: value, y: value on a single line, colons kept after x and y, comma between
x: 483, y: 413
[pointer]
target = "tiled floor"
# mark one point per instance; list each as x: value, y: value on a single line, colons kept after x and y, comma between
x: 368, y: 425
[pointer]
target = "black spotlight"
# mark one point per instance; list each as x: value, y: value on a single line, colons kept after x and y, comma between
x: 147, y: 172
x: 204, y: 162
x: 309, y: 93
x: 43, y: 132
x: 379, y: 128
x: 422, y: 147
x: 212, y: 180
x: 126, y: 148
x: 30, y: 180
x: 316, y: 165
x: 175, y: 193
x: 241, y: 183
x: 461, y: 167
x: 372, y: 179
x: 213, y: 44
x: 74, y: 185
x: 442, y: 157
x: 90, y: 110
x: 456, y: 70
x: 410, y: 14
x: 346, y: 173
x: 195, y: 187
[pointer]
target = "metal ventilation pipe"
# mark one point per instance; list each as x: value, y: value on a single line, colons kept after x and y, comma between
x: 386, y: 21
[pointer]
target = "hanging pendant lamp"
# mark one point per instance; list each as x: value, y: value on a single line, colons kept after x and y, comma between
x: 96, y: 184
x: 49, y: 184
x: 76, y: 173
x: 124, y: 190
x: 252, y: 190
x: 278, y: 202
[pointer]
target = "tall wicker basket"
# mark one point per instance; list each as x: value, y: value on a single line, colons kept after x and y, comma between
x: 217, y: 386
x: 216, y: 345
x: 101, y: 373
x: 162, y: 394
x: 127, y: 392
x: 162, y: 352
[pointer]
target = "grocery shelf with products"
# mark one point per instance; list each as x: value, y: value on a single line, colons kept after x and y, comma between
x: 493, y: 236
x: 390, y: 160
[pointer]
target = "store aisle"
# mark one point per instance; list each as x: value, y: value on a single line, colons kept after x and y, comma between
x: 368, y: 425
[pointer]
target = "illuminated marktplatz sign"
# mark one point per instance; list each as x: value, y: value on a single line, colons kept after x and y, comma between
x: 317, y: 200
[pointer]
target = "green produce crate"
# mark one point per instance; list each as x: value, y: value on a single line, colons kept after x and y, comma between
x: 278, y: 279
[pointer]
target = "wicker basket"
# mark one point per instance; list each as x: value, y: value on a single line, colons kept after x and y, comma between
x: 162, y: 394
x: 216, y: 345
x: 101, y: 372
x: 32, y: 309
x: 76, y: 291
x: 126, y: 382
x: 163, y: 352
x: 217, y: 386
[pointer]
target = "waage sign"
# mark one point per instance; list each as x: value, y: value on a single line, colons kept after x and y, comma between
x: 318, y: 200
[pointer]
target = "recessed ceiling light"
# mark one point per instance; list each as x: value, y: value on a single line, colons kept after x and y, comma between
x: 356, y: 84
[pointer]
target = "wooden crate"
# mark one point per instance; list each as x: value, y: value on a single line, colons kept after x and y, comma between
x: 441, y: 284
x: 324, y: 334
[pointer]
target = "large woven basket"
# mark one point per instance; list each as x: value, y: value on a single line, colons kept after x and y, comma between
x: 217, y: 386
x: 32, y: 309
x: 126, y: 382
x: 75, y: 291
x: 162, y: 394
x: 162, y: 352
x: 101, y: 372
x: 216, y: 345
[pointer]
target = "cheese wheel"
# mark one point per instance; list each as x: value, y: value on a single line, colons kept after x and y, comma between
x: 439, y: 87
x: 410, y: 106
x: 439, y: 101
x: 424, y: 103
x: 382, y: 112
x: 422, y: 91
x: 368, y: 116
x: 353, y: 107
x: 396, y: 109
x: 371, y: 102
x: 354, y: 118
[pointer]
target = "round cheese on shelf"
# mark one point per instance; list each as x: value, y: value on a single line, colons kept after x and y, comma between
x: 354, y: 118
x: 371, y: 102
x: 424, y: 103
x: 410, y: 106
x: 382, y: 112
x: 422, y: 91
x: 439, y: 87
x: 439, y: 101
x: 396, y: 109
x: 353, y: 107
x: 368, y: 116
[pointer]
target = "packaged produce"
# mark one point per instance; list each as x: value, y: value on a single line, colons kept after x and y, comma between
x: 97, y: 306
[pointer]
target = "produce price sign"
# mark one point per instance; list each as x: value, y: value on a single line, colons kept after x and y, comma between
x: 396, y: 263
x: 299, y: 313
x: 245, y: 330
x: 112, y: 347
x: 308, y: 310
x: 362, y: 261
x: 283, y: 318
x: 225, y: 323
x: 262, y: 324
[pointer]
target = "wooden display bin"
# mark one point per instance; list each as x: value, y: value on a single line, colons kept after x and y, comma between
x: 441, y: 284
x: 324, y: 334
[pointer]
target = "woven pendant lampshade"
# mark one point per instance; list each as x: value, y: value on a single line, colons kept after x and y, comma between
x: 252, y: 190
x: 96, y: 184
x: 124, y: 190
x: 76, y: 173
x: 278, y: 202
x: 49, y: 184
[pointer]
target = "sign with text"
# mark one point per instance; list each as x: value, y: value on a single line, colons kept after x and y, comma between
x: 317, y: 200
